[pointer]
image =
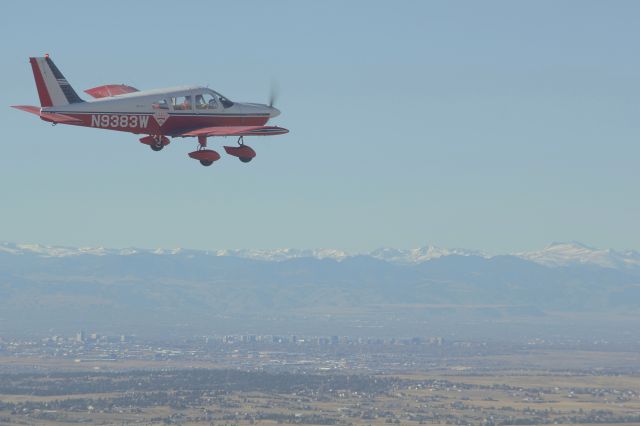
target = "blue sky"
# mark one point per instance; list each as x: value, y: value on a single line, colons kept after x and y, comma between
x: 499, y: 126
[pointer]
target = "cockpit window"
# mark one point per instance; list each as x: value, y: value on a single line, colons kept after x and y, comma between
x: 206, y: 101
x: 224, y: 101
x: 181, y: 103
x: 161, y: 104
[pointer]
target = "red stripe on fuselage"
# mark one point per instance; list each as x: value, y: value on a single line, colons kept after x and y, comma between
x: 43, y: 93
x: 146, y: 123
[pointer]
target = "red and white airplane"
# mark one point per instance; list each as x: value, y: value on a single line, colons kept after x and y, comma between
x: 188, y: 111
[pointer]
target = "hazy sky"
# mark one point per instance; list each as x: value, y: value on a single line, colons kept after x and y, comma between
x: 499, y: 126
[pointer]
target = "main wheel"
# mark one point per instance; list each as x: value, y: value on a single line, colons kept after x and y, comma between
x: 245, y: 159
x: 156, y: 147
x: 206, y: 163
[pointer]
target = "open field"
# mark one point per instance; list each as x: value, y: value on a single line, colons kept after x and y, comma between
x: 160, y: 393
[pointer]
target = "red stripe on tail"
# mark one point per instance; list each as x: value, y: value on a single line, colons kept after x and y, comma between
x: 43, y: 93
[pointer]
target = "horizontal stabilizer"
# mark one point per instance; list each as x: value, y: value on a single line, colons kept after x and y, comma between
x: 109, y: 90
x: 59, y: 118
x: 28, y: 108
x: 48, y: 116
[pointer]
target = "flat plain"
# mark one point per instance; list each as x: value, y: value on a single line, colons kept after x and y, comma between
x: 534, y: 387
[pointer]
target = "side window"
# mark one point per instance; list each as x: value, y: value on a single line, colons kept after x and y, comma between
x: 181, y: 103
x: 161, y: 104
x: 206, y: 101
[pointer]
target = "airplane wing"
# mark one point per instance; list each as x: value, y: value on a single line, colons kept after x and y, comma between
x: 109, y: 90
x: 47, y: 116
x: 237, y: 131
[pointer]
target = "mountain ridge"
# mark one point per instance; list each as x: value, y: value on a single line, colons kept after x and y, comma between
x: 553, y: 255
x: 143, y: 290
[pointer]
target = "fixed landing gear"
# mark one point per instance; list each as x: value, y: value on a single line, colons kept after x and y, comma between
x: 155, y: 142
x: 244, y: 152
x: 206, y: 156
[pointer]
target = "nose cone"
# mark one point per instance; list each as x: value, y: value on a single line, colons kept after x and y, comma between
x: 273, y: 112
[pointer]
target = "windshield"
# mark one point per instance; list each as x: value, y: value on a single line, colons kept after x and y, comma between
x: 224, y: 101
x: 206, y: 101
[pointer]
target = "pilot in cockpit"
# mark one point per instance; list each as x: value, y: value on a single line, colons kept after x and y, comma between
x: 187, y: 103
x: 200, y: 103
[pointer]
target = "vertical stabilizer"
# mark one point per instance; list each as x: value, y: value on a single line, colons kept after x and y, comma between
x: 53, y: 88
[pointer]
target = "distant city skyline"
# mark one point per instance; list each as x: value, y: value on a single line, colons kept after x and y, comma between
x: 498, y: 126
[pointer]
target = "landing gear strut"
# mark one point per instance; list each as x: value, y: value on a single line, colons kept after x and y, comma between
x: 206, y: 156
x: 242, y: 151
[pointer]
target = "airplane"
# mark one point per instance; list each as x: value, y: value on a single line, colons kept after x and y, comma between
x: 160, y: 114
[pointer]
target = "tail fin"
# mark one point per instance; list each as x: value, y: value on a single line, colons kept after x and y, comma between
x: 53, y: 88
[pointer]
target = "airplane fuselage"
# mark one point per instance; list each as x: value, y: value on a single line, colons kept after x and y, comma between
x: 156, y: 112
x: 186, y: 111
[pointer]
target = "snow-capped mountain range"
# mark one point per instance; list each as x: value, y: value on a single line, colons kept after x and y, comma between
x: 554, y: 255
x: 562, y: 254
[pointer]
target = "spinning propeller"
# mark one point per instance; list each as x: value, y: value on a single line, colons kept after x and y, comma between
x: 273, y: 93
